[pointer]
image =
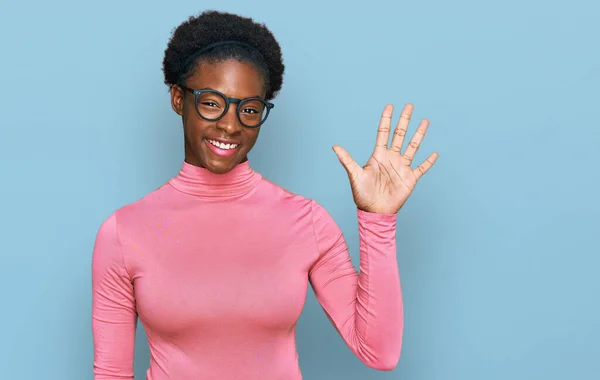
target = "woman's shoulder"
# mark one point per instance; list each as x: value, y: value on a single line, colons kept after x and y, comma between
x: 278, y: 194
x: 287, y: 201
x: 148, y: 203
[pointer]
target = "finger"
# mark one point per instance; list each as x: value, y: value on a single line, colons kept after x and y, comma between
x: 425, y: 166
x: 415, y: 141
x: 383, y: 131
x: 401, y: 128
x: 352, y: 168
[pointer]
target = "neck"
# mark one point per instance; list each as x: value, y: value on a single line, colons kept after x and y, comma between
x: 203, y: 183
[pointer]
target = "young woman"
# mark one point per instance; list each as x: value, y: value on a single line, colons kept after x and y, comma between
x: 216, y: 262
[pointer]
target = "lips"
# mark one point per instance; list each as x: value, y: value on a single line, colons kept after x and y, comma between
x: 223, y: 144
x: 222, y: 147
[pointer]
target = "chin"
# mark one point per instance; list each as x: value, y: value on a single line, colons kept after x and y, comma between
x: 219, y: 169
x: 219, y: 166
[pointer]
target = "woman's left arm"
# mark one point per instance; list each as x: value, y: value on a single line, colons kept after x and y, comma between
x: 367, y: 308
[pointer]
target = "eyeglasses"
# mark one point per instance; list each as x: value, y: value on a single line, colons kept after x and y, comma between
x: 212, y: 105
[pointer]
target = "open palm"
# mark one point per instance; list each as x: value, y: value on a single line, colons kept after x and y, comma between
x: 386, y: 181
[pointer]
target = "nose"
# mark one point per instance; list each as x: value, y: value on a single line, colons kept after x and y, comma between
x: 229, y: 122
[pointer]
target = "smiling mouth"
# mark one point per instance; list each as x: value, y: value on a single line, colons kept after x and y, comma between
x: 221, y: 145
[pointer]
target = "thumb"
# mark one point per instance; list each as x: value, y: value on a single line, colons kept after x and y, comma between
x: 346, y: 160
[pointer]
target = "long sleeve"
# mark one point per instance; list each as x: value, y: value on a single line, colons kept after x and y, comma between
x: 114, y: 315
x: 365, y: 308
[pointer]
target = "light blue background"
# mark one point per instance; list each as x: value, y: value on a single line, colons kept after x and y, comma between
x: 498, y: 246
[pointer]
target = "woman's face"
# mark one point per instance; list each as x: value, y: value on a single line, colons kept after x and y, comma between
x: 235, y: 80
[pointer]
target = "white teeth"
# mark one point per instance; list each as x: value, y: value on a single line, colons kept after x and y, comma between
x: 222, y: 145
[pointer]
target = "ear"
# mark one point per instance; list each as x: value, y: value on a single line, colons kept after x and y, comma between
x: 177, y: 99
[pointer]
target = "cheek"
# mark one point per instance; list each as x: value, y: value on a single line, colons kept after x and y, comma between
x: 192, y: 124
x: 194, y: 128
x: 252, y: 136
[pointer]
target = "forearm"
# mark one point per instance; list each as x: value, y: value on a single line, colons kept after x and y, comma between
x: 379, y: 306
x: 365, y: 307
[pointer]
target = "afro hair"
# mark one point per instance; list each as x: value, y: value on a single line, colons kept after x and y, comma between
x: 212, y: 27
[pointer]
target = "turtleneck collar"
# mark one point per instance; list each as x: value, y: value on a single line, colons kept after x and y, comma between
x: 199, y: 181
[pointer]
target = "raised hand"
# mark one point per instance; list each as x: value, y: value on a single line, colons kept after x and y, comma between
x: 384, y: 184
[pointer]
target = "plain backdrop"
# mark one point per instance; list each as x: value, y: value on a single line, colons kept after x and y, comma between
x: 497, y: 247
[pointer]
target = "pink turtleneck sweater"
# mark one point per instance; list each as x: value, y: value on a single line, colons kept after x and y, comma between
x: 217, y: 267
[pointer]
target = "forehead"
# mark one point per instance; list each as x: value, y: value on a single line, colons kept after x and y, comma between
x: 233, y: 78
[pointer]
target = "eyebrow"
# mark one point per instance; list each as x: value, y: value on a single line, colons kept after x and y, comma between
x: 214, y: 89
